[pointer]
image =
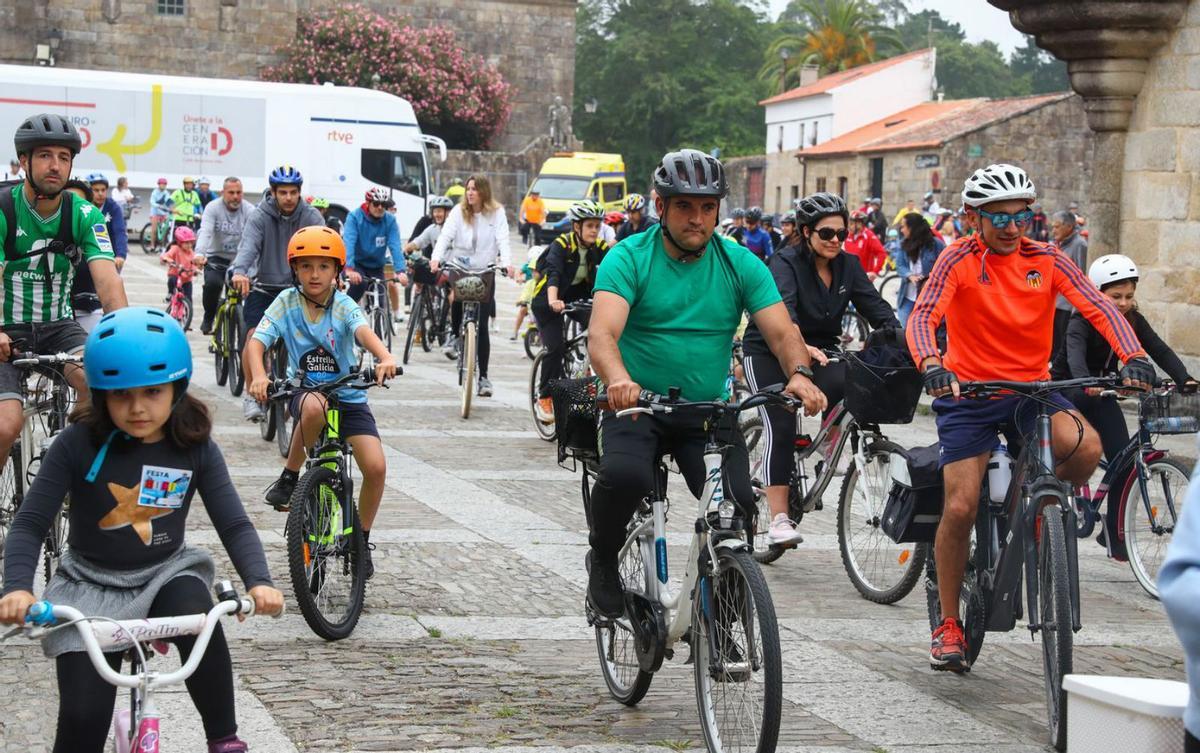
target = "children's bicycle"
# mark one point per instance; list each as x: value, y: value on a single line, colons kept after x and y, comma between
x: 179, y: 307
x: 136, y: 729
x: 324, y: 539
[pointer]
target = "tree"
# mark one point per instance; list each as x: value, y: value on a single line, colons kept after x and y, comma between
x: 455, y: 95
x: 977, y: 70
x: 667, y: 74
x: 1042, y: 72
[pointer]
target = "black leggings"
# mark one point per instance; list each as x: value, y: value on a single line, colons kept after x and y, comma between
x: 552, y: 329
x: 486, y: 311
x: 779, y: 424
x: 1106, y: 416
x: 85, y: 700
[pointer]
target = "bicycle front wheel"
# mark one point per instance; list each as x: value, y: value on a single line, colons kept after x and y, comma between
x: 284, y: 425
x: 55, y: 543
x: 533, y: 342
x: 381, y: 325
x: 146, y: 239
x: 416, y: 322
x: 467, y: 369
x: 1058, y: 636
x: 544, y: 430
x: 1148, y: 521
x: 235, y: 333
x: 325, y: 549
x: 218, y: 348
x: 881, y: 570
x: 889, y: 289
x: 12, y: 491
x: 735, y: 647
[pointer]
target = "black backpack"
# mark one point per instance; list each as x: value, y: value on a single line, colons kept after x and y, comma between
x: 63, y: 243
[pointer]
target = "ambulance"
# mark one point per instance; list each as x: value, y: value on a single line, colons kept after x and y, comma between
x: 344, y: 140
x: 568, y: 177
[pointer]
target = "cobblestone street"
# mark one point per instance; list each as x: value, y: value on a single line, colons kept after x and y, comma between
x: 473, y: 636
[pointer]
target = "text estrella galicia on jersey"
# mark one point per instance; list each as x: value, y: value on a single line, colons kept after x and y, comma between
x: 1033, y: 278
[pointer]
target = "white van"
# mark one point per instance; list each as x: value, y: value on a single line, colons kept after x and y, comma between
x: 344, y: 140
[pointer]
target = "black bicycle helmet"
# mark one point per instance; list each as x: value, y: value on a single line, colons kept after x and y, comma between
x: 47, y: 129
x: 754, y: 214
x: 690, y: 172
x: 738, y: 214
x: 811, y: 209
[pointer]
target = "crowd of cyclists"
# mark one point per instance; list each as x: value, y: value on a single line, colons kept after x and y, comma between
x: 671, y: 288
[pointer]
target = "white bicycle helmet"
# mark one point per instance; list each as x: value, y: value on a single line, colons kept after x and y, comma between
x: 1111, y: 269
x: 999, y: 182
x: 377, y: 194
x: 535, y: 253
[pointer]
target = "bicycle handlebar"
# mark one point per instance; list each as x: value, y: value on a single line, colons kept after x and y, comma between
x: 30, y: 361
x: 651, y: 402
x: 986, y: 388
x: 281, y: 389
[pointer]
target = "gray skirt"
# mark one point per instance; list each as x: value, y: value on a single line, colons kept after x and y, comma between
x: 118, y: 594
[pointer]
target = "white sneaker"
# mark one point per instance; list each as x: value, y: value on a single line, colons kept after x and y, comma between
x: 251, y: 410
x: 485, y: 387
x: 783, y: 532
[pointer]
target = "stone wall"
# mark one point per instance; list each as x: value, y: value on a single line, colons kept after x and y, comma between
x: 510, y: 173
x: 1160, y: 195
x: 737, y: 172
x: 531, y: 42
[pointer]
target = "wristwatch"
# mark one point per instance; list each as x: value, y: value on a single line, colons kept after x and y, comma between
x: 803, y: 371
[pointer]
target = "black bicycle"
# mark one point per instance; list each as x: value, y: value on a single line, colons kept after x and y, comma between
x: 377, y: 307
x: 1028, y: 532
x: 576, y: 363
x: 276, y: 422
x: 429, y: 314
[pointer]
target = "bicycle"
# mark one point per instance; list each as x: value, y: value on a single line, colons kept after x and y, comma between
x: 47, y: 404
x: 276, y: 422
x: 532, y: 339
x: 228, y: 338
x: 428, y: 315
x: 880, y: 570
x: 377, y: 307
x: 888, y: 281
x: 1027, y: 532
x: 156, y: 243
x: 137, y: 728
x: 1147, y: 524
x: 179, y: 307
x: 471, y: 291
x: 324, y: 538
x: 575, y: 361
x: 722, y: 608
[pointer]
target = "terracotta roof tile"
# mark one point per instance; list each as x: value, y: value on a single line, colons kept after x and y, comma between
x: 841, y: 78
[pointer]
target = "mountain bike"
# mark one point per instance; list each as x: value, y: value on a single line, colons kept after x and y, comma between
x: 1153, y: 485
x: 1028, y: 532
x: 48, y: 401
x: 276, y: 421
x: 137, y: 728
x: 324, y: 539
x: 722, y: 608
x: 575, y: 361
x: 228, y: 337
x: 429, y: 313
x: 470, y: 290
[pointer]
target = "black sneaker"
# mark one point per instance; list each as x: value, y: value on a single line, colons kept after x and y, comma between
x: 605, y: 591
x: 368, y: 564
x: 279, y: 495
x: 206, y: 327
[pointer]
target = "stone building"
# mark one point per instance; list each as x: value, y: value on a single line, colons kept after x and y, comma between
x: 236, y: 38
x: 936, y: 145
x: 1137, y: 66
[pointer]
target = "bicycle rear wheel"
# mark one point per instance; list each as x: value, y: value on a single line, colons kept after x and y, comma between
x: 533, y: 341
x: 854, y: 330
x: 544, y: 430
x: 616, y: 644
x: 218, y: 349
x: 735, y: 648
x: 1148, y: 523
x: 755, y: 439
x: 881, y: 570
x: 889, y: 289
x: 1058, y: 637
x: 235, y: 334
x: 146, y: 239
x: 325, y: 547
x: 12, y: 491
x: 55, y: 543
x: 467, y: 369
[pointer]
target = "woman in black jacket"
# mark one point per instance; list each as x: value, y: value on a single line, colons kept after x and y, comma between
x: 818, y: 282
x: 1087, y: 354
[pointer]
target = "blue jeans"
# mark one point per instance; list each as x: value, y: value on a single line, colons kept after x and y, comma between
x: 905, y: 311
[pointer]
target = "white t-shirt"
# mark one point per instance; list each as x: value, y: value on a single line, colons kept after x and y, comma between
x: 914, y: 268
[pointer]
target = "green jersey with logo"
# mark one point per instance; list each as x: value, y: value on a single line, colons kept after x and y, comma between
x: 38, y: 288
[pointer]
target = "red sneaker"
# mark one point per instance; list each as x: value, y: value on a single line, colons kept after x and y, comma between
x: 948, y: 651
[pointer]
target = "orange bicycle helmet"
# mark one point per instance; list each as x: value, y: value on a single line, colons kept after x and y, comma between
x: 316, y: 240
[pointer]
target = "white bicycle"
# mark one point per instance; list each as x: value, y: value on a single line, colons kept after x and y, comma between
x: 136, y: 728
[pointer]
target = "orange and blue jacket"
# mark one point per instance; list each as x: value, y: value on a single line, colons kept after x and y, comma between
x: 999, y: 311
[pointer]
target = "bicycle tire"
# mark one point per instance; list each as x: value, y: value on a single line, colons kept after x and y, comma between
x: 1137, y: 523
x: 533, y: 342
x: 12, y: 491
x: 416, y: 322
x: 752, y: 435
x: 616, y: 644
x: 740, y: 588
x: 237, y: 334
x: 873, y: 584
x: 187, y: 314
x: 146, y: 239
x: 55, y: 543
x: 854, y: 331
x: 972, y: 610
x: 382, y: 328
x: 1057, y: 635
x: 889, y: 289
x: 470, y: 337
x: 313, y: 493
x: 218, y: 348
x: 545, y: 431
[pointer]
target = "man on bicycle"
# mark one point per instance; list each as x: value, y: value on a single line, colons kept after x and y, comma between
x: 568, y: 269
x: 372, y: 236
x: 218, y: 239
x: 996, y: 291
x: 262, y: 252
x: 185, y: 204
x: 40, y: 258
x: 667, y: 303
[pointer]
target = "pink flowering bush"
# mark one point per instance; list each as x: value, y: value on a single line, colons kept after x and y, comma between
x: 455, y: 94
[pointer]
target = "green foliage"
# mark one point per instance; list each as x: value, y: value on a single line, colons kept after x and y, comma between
x: 832, y: 34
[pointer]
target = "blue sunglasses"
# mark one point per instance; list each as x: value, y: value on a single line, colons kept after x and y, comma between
x: 1000, y: 220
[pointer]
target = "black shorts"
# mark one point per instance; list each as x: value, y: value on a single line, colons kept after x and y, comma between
x: 44, y: 338
x: 257, y: 304
x: 356, y: 418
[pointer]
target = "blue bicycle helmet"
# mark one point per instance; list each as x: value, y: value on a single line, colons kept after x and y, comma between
x: 94, y: 178
x: 285, y: 175
x: 136, y: 347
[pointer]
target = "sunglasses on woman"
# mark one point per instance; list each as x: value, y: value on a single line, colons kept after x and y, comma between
x: 828, y: 234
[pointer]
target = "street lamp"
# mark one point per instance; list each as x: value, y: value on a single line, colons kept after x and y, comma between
x: 590, y: 106
x: 784, y: 55
x: 45, y: 52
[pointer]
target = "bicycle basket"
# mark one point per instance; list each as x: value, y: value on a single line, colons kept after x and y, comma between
x: 576, y: 420
x: 882, y: 385
x: 470, y: 289
x: 1171, y: 413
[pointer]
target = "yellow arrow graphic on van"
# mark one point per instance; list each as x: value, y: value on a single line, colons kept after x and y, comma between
x: 116, y: 148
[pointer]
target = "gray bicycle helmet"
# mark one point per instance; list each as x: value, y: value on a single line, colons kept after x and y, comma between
x: 585, y: 210
x: 738, y: 214
x: 690, y: 172
x: 47, y: 129
x: 811, y: 209
x: 754, y: 214
x: 441, y: 201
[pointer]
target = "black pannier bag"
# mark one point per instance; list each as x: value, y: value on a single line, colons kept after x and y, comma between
x: 882, y: 384
x: 914, y: 504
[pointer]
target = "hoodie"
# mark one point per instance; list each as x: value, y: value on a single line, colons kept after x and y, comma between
x: 369, y: 241
x: 221, y: 230
x: 262, y: 252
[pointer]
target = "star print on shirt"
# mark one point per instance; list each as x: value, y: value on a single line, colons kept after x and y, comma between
x: 129, y: 513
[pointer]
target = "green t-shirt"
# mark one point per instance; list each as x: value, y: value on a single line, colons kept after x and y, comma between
x: 682, y: 316
x: 38, y: 289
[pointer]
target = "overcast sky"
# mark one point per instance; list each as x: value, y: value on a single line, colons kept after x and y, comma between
x: 979, y: 20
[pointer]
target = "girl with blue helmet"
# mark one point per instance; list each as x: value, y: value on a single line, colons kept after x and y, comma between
x: 132, y: 460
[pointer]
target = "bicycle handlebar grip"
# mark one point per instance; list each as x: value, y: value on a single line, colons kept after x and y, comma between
x: 41, y: 613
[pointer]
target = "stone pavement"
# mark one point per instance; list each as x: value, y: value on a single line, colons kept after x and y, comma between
x: 473, y: 636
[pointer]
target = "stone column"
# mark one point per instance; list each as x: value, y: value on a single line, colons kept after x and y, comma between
x: 1107, y: 45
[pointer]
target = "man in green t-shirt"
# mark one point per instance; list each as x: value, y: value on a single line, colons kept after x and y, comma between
x: 666, y: 305
x: 38, y: 267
